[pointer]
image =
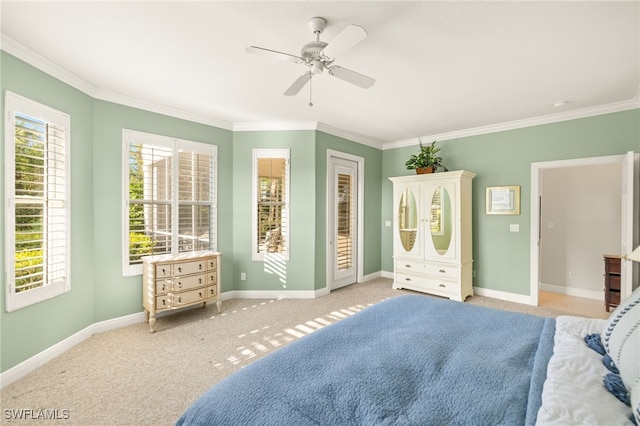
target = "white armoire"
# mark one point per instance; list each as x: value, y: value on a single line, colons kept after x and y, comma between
x: 432, y: 243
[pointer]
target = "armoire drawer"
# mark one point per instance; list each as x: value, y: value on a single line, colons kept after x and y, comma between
x: 433, y: 269
x: 427, y: 283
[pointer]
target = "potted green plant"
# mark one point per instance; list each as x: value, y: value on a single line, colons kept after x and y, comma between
x: 427, y: 160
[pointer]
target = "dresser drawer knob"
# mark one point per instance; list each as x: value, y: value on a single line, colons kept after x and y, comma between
x: 199, y: 280
x: 179, y: 284
x: 407, y: 266
x: 179, y: 299
x: 407, y: 279
x: 442, y: 285
x: 200, y: 294
x: 442, y: 271
x: 199, y: 265
x: 179, y: 269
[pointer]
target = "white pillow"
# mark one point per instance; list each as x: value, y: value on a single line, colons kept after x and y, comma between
x: 635, y: 400
x: 622, y: 338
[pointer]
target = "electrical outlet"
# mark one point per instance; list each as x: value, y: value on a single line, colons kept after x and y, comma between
x: 243, y: 276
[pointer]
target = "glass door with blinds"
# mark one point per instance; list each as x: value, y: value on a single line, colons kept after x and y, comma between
x: 343, y: 226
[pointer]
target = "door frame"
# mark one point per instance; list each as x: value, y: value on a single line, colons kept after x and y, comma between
x: 536, y: 169
x: 360, y: 214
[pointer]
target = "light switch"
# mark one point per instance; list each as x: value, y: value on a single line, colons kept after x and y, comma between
x: 514, y: 227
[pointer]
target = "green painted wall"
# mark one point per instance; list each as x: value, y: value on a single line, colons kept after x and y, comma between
x: 30, y: 330
x: 116, y: 295
x: 297, y: 273
x: 501, y: 258
x: 98, y: 289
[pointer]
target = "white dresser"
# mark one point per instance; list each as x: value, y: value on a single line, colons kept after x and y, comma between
x: 432, y: 242
x: 176, y: 281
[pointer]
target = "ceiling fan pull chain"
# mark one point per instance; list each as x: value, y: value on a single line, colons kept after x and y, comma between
x: 310, y: 90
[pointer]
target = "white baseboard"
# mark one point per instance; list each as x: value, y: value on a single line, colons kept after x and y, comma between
x: 387, y: 274
x: 38, y: 360
x: 573, y: 291
x: 503, y: 295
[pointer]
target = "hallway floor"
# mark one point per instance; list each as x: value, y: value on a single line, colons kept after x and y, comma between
x: 578, y: 306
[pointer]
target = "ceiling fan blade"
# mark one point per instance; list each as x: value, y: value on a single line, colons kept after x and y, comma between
x: 351, y: 76
x: 348, y: 38
x: 298, y: 84
x: 273, y: 54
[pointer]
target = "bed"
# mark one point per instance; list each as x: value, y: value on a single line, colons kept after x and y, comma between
x: 414, y: 359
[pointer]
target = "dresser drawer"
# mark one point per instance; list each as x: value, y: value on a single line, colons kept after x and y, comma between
x: 212, y: 291
x: 186, y: 268
x: 212, y: 263
x: 163, y: 270
x: 191, y: 281
x: 188, y: 297
x: 163, y: 286
x: 614, y: 282
x: 163, y: 302
x: 212, y: 278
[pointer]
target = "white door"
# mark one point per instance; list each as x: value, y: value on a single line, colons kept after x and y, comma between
x: 342, y: 222
x: 627, y: 228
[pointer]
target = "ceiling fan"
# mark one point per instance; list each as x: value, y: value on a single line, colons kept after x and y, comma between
x: 319, y: 55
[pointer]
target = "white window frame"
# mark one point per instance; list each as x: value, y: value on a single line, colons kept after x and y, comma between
x: 177, y: 145
x: 270, y: 153
x: 62, y: 284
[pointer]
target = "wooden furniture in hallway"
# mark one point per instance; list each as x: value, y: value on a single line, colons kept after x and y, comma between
x: 611, y: 281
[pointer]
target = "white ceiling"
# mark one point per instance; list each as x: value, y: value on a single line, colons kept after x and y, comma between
x: 441, y: 68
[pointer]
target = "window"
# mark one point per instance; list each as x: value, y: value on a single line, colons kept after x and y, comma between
x: 170, y: 197
x: 270, y: 203
x: 37, y: 188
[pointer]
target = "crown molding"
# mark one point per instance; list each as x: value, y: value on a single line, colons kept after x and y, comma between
x: 161, y: 109
x: 38, y: 61
x: 528, y: 122
x: 305, y: 125
x: 255, y: 126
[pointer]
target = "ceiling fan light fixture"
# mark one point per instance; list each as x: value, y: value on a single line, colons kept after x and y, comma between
x: 317, y: 66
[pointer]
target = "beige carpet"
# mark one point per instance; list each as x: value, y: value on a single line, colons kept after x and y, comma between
x: 132, y: 377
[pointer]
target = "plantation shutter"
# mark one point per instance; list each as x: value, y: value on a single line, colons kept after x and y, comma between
x: 171, y: 197
x: 40, y: 198
x: 37, y: 223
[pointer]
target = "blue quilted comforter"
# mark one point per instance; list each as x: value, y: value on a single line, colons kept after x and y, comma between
x: 410, y: 360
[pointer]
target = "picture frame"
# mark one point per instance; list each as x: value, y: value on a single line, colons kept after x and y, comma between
x: 503, y: 199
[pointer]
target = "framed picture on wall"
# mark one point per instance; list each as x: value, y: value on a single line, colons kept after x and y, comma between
x: 503, y: 199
